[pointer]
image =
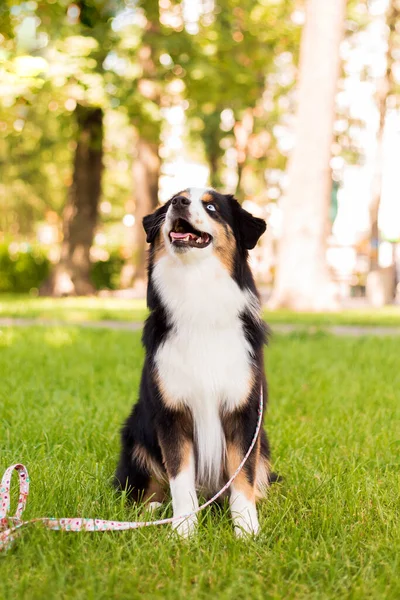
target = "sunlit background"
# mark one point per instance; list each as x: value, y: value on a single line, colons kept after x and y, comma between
x: 213, y: 85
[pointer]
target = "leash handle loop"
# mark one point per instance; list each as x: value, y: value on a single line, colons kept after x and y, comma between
x: 7, y: 533
x: 5, y: 491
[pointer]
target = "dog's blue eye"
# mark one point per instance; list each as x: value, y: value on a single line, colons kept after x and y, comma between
x: 210, y: 207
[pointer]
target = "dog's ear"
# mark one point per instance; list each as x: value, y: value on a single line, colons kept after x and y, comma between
x: 153, y: 222
x: 249, y: 228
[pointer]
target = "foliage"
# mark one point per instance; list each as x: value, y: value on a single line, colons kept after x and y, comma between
x: 230, y: 67
x: 234, y: 59
x: 46, y: 72
x: 330, y: 530
x: 22, y: 270
x: 25, y: 269
x: 128, y: 59
x: 106, y: 273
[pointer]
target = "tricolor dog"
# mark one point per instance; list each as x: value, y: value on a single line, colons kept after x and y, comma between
x: 203, y: 371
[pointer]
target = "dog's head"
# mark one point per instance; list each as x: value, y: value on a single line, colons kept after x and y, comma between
x: 195, y: 223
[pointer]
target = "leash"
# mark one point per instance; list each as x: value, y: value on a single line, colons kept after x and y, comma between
x: 10, y: 526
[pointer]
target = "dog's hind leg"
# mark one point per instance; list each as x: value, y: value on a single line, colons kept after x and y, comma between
x: 131, y: 475
x: 155, y: 494
x: 140, y: 470
x: 140, y: 475
x: 263, y: 471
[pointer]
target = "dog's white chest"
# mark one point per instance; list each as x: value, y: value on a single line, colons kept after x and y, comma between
x: 205, y: 363
x: 206, y: 355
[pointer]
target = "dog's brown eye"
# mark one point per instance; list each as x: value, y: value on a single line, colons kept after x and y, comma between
x: 210, y: 207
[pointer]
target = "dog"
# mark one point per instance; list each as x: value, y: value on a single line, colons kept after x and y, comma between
x: 204, y: 366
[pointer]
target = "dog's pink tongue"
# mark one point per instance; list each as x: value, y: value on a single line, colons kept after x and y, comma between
x: 179, y: 236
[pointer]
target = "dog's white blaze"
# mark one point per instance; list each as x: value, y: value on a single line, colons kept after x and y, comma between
x: 196, y: 195
x: 205, y: 363
x: 199, y: 219
x: 184, y: 498
x: 244, y: 513
x: 197, y: 212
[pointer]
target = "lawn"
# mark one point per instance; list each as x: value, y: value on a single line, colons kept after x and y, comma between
x: 73, y: 310
x: 76, y: 310
x: 330, y: 530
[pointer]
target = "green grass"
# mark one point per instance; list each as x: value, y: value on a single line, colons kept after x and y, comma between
x: 72, y: 310
x: 330, y: 530
x: 388, y: 316
x: 75, y: 310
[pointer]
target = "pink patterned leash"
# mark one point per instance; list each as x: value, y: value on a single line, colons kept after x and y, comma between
x: 10, y: 526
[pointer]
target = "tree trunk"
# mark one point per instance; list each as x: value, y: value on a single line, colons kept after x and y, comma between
x: 239, y: 191
x: 71, y: 276
x: 146, y: 172
x: 214, y: 172
x: 303, y: 279
x: 146, y: 165
x: 385, y: 88
x: 242, y: 131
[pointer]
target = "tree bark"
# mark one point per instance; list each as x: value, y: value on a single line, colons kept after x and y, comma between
x: 146, y: 164
x: 303, y: 279
x: 385, y: 88
x: 71, y: 276
x: 213, y: 161
x: 242, y: 132
x: 146, y: 173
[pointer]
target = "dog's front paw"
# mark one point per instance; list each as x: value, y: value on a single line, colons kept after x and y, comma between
x: 246, y: 524
x: 153, y: 507
x: 244, y: 515
x: 186, y: 526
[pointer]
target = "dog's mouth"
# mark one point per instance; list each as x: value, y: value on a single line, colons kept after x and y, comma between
x: 184, y: 235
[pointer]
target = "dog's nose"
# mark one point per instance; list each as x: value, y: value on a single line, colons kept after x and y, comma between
x: 180, y: 201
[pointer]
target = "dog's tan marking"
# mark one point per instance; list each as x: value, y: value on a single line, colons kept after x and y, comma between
x: 224, y: 245
x: 233, y: 459
x: 261, y: 476
x: 155, y: 491
x: 168, y: 400
x: 263, y: 470
x: 146, y: 461
x: 186, y: 454
x: 207, y: 197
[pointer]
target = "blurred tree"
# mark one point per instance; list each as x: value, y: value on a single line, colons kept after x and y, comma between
x: 385, y: 90
x: 155, y: 53
x: 146, y: 165
x: 146, y: 173
x: 71, y: 276
x: 303, y: 281
x: 234, y: 51
x: 34, y: 133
